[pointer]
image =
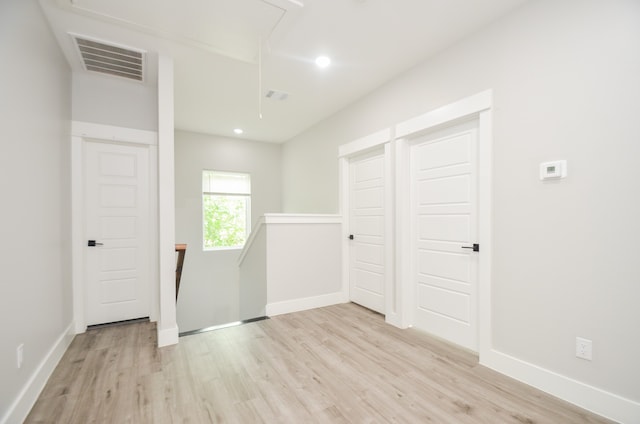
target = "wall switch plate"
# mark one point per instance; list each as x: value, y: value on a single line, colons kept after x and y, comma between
x: 584, y: 348
x: 20, y: 355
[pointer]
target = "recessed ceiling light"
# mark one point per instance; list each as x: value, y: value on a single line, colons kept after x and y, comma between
x: 323, y: 61
x: 238, y: 131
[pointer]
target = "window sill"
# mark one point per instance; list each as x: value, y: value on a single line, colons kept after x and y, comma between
x: 221, y: 249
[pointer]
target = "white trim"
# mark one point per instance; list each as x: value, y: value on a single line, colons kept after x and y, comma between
x: 77, y: 235
x: 360, y: 145
x: 343, y: 207
x: 21, y: 406
x: 403, y: 229
x: 154, y: 307
x: 588, y: 397
x: 167, y: 327
x: 89, y: 132
x: 303, y: 304
x: 168, y: 336
x: 287, y: 218
x: 254, y: 233
x: 485, y: 230
x: 110, y: 132
x: 391, y: 308
x: 471, y: 105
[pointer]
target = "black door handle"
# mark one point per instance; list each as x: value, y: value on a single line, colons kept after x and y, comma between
x: 92, y: 243
x: 475, y: 247
x: 350, y: 236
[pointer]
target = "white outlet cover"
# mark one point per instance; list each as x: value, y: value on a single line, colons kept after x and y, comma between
x: 584, y: 348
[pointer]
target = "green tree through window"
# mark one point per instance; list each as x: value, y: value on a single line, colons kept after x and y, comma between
x: 226, y: 199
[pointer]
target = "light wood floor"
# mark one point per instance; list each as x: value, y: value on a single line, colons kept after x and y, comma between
x: 340, y: 364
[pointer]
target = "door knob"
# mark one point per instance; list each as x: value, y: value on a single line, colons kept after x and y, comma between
x: 350, y: 236
x: 92, y: 243
x: 475, y: 247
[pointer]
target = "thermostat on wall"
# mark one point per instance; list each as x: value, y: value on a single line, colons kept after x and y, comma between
x: 553, y: 170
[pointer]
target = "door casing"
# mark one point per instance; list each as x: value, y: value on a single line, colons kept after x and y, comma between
x: 395, y: 139
x: 80, y: 133
x: 346, y: 152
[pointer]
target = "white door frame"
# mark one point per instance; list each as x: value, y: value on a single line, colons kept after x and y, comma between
x: 398, y: 301
x: 477, y: 106
x: 345, y: 154
x: 82, y: 132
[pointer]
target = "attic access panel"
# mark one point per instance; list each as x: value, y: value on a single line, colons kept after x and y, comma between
x: 230, y: 28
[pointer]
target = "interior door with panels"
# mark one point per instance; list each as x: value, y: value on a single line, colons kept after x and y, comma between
x: 116, y: 210
x: 444, y: 230
x: 367, y: 230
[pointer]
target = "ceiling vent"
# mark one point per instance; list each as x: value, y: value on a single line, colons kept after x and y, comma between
x: 277, y: 95
x: 110, y: 59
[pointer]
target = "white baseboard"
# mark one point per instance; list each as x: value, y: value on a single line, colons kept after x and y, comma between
x: 168, y: 336
x: 27, y: 397
x: 395, y: 320
x: 297, y: 305
x: 591, y: 398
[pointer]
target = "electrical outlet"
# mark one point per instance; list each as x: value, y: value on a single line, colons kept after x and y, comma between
x: 584, y: 348
x: 20, y: 355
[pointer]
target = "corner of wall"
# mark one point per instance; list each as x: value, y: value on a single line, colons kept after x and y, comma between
x: 167, y: 324
x: 20, y: 408
x: 167, y: 336
x: 297, y: 305
x: 588, y: 397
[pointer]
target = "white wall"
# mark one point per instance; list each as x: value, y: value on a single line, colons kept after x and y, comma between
x: 252, y: 269
x: 35, y: 112
x: 209, y: 286
x: 565, y: 80
x: 115, y: 101
x: 304, y: 260
x: 291, y: 262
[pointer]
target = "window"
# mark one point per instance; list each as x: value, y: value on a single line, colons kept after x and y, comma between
x: 226, y: 209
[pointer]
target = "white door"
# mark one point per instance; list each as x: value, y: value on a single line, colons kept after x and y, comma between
x: 444, y: 226
x: 116, y: 210
x: 366, y: 222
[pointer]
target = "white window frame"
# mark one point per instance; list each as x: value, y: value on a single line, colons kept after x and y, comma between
x: 247, y: 197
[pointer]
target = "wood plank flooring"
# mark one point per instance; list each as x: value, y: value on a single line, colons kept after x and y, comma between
x: 340, y: 364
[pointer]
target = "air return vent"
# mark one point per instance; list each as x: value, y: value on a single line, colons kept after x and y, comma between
x: 276, y: 95
x: 110, y: 59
